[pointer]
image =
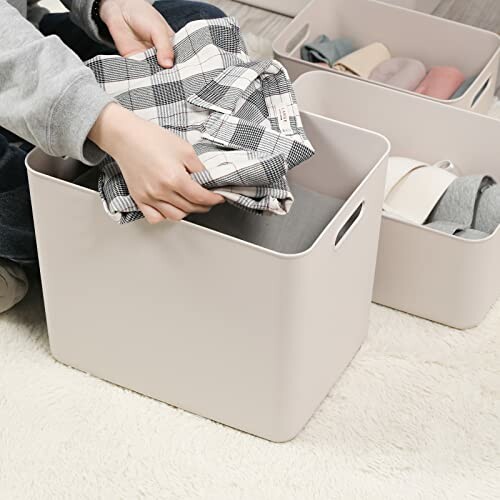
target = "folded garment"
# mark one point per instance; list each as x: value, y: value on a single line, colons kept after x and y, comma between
x: 464, y: 87
x: 310, y: 214
x: 457, y: 230
x: 323, y: 49
x: 470, y: 206
x: 413, y: 188
x: 441, y: 82
x: 363, y: 61
x: 240, y: 116
x: 400, y: 72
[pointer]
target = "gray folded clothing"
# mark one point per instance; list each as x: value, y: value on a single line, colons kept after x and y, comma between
x: 470, y: 208
x: 291, y: 233
x: 324, y: 50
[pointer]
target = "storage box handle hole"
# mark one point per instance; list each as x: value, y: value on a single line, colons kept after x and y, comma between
x: 481, y: 91
x: 297, y: 40
x: 349, y: 224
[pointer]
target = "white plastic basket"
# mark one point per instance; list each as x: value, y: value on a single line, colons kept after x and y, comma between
x: 217, y: 326
x: 286, y: 7
x: 406, y: 33
x: 428, y: 6
x: 422, y: 271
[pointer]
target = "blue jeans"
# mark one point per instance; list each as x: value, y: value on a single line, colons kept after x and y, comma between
x: 17, y: 236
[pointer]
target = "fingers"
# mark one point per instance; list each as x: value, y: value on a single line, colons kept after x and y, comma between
x: 184, y: 205
x: 158, y: 211
x: 151, y: 214
x: 193, y: 192
x: 192, y: 162
x: 162, y: 40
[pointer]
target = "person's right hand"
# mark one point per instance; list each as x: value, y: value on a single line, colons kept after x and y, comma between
x: 155, y: 164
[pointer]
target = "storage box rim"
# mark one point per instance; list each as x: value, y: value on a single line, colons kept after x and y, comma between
x: 456, y: 101
x: 361, y: 81
x: 493, y: 236
x: 252, y: 246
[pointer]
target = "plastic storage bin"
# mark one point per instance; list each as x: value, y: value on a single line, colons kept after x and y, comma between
x: 286, y: 7
x: 228, y: 330
x: 428, y: 6
x: 422, y: 271
x: 433, y: 40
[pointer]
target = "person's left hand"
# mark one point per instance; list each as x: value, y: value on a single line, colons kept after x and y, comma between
x: 136, y: 26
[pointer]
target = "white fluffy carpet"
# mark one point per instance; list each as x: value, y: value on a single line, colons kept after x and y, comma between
x: 415, y: 416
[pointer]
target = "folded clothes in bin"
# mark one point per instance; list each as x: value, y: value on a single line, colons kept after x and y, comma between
x: 436, y: 196
x: 240, y: 116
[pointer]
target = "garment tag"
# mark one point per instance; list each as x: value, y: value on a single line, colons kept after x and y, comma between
x: 284, y: 120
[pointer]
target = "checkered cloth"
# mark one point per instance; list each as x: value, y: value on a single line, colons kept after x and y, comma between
x: 240, y: 116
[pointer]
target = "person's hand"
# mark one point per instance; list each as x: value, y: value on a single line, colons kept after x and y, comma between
x: 155, y: 165
x: 136, y: 26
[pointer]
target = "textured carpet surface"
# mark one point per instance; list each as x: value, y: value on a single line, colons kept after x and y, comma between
x: 415, y: 416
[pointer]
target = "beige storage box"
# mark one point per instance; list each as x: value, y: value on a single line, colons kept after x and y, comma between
x: 428, y: 6
x: 406, y: 33
x: 422, y: 271
x: 286, y: 7
x: 238, y: 333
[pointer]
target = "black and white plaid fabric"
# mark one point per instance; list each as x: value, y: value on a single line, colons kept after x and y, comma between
x: 240, y: 116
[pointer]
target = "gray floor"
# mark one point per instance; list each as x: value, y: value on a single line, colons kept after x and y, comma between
x: 482, y: 13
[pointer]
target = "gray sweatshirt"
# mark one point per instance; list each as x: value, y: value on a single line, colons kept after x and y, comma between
x: 47, y: 96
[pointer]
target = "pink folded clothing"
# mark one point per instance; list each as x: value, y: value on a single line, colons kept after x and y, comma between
x: 441, y: 82
x: 400, y: 72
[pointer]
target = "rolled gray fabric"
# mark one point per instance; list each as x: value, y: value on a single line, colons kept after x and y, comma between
x: 470, y: 208
x: 488, y: 210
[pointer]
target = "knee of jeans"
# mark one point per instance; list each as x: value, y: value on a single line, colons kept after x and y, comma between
x: 208, y: 11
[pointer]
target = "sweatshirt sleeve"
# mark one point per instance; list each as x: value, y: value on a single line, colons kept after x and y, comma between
x: 47, y: 95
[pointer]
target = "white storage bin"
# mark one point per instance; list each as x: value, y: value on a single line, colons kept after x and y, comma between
x: 217, y: 326
x: 428, y: 6
x: 286, y: 7
x: 406, y: 33
x: 422, y: 271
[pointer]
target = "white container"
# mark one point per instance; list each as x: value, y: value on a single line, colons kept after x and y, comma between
x: 406, y: 33
x: 422, y: 271
x: 214, y: 325
x: 428, y: 6
x: 286, y: 7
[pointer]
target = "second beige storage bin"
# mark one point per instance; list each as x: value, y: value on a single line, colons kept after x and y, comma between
x: 406, y: 33
x: 419, y: 270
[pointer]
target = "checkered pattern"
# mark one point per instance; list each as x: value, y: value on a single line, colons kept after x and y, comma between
x: 240, y: 116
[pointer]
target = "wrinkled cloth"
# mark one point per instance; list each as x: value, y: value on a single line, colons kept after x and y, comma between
x: 324, y: 50
x: 400, y: 72
x: 13, y: 284
x: 441, y: 82
x: 469, y: 208
x: 363, y: 61
x: 240, y: 116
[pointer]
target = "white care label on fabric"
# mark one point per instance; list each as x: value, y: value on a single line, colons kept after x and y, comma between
x: 284, y: 120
